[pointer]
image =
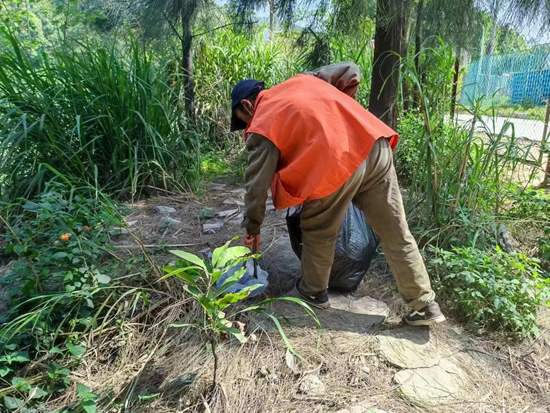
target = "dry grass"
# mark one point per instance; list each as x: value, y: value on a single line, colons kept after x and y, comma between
x: 143, y: 356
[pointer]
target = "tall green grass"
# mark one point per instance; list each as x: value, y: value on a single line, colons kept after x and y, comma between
x: 225, y: 58
x: 459, y: 181
x: 95, y: 116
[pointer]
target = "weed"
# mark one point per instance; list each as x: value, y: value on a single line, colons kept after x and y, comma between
x: 491, y: 290
x: 218, y: 306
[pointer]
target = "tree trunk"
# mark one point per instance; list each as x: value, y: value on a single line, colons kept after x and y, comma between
x: 491, y: 45
x: 455, y: 88
x: 388, y: 46
x: 418, y: 47
x: 188, y: 81
x: 271, y: 15
x: 187, y: 60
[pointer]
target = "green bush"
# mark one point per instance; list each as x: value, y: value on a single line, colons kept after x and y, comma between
x: 56, y: 240
x: 92, y: 115
x: 491, y: 290
x: 61, y: 288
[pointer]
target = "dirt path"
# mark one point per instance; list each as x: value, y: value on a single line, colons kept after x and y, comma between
x: 342, y: 371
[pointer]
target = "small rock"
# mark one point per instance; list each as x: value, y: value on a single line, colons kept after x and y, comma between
x: 226, y: 213
x: 212, y: 228
x: 365, y: 370
x: 233, y: 201
x: 206, y: 213
x: 132, y: 223
x: 118, y: 231
x: 312, y: 386
x: 170, y: 221
x: 253, y: 337
x: 272, y: 378
x: 264, y: 372
x: 164, y: 209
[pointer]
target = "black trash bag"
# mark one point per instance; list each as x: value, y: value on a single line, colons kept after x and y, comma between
x: 355, y: 248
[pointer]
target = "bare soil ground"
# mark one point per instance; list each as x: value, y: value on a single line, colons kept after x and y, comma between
x: 150, y: 367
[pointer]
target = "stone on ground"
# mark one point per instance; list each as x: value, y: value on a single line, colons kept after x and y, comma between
x: 408, y: 348
x: 431, y: 386
x: 212, y: 228
x: 170, y: 221
x: 312, y: 386
x: 363, y: 305
x: 160, y: 209
x: 427, y: 378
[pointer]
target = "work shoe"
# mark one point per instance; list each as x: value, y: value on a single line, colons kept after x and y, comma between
x: 319, y: 300
x: 429, y: 315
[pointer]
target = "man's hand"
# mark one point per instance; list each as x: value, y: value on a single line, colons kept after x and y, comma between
x: 252, y: 241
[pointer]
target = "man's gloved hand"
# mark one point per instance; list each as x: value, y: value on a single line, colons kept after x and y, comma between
x: 251, y: 241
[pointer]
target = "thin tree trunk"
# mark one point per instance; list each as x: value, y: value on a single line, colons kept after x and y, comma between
x: 491, y: 45
x: 418, y: 46
x: 455, y: 88
x: 271, y: 15
x: 187, y: 60
x: 388, y: 47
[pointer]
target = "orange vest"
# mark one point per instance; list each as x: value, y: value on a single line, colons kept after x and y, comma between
x: 323, y: 136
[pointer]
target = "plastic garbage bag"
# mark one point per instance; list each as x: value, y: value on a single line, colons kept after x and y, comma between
x: 247, y: 279
x: 355, y: 248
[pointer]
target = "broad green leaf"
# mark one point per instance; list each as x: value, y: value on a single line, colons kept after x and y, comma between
x: 230, y: 254
x: 89, y: 406
x: 59, y: 255
x: 181, y: 273
x: 231, y: 298
x: 82, y: 390
x: 56, y: 350
x: 31, y: 206
x: 4, y: 371
x: 102, y: 278
x: 193, y: 259
x: 20, y: 356
x: 218, y: 252
x: 12, y: 403
x: 76, y: 350
x: 37, y: 393
x: 20, y: 384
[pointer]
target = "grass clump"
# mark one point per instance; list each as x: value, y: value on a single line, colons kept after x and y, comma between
x: 94, y: 116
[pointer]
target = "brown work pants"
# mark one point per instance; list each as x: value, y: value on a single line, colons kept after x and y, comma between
x: 373, y: 188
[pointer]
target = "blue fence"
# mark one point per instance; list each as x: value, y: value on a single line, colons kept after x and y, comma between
x: 518, y: 78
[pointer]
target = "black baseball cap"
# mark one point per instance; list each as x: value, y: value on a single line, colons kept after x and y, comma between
x: 241, y: 91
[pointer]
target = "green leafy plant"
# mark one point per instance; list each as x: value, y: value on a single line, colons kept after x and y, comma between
x: 56, y: 239
x: 219, y: 308
x: 87, y: 398
x: 491, y: 290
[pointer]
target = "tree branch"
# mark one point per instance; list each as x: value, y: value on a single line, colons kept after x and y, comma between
x: 174, y: 29
x: 222, y: 27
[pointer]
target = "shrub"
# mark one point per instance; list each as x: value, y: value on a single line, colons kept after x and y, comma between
x: 491, y: 290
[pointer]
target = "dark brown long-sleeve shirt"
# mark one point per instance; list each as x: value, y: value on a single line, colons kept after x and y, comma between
x: 263, y: 155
